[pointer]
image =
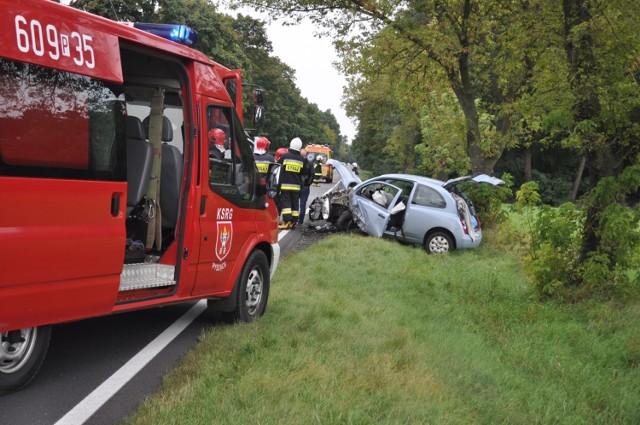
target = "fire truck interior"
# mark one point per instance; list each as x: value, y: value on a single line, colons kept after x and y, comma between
x: 145, y: 75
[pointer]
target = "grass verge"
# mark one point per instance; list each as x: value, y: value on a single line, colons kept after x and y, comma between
x: 362, y: 330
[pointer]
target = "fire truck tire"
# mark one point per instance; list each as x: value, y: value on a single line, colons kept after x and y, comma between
x: 21, y: 355
x: 252, y: 288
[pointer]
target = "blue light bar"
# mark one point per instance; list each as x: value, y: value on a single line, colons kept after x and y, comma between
x: 179, y: 33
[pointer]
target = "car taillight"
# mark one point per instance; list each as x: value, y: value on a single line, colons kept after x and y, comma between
x: 464, y: 227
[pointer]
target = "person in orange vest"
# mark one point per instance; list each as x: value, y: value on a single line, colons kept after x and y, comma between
x: 291, y: 183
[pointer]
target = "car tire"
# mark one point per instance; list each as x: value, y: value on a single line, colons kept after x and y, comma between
x: 344, y: 221
x: 438, y: 243
x: 21, y: 355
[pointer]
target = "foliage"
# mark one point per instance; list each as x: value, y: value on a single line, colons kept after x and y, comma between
x: 553, y: 189
x: 555, y: 249
x: 242, y: 43
x: 556, y: 244
x: 488, y: 200
x: 528, y: 195
x: 442, y: 151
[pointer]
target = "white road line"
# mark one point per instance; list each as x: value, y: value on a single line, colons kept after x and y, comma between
x: 91, y: 403
x: 282, y: 234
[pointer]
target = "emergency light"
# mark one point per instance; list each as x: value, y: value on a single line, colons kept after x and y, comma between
x: 175, y: 32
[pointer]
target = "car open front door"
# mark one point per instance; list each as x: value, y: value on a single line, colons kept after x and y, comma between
x: 371, y: 216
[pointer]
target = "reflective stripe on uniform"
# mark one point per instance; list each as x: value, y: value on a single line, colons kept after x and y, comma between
x: 292, y: 187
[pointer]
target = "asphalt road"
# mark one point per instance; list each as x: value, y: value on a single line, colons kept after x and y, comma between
x: 82, y: 378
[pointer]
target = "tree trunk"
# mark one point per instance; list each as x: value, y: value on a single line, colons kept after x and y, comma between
x: 582, y: 68
x: 576, y: 184
x: 479, y: 162
x: 528, y: 157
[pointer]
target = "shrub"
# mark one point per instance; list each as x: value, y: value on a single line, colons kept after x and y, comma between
x: 488, y: 200
x: 556, y: 261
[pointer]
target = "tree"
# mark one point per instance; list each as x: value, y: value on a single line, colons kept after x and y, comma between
x: 453, y: 40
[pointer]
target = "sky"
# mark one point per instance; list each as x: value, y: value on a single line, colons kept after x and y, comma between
x: 312, y: 59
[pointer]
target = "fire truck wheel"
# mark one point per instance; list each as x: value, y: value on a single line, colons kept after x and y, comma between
x: 253, y: 288
x: 21, y: 354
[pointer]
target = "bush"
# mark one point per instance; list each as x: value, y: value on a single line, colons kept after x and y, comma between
x: 556, y: 261
x: 488, y: 200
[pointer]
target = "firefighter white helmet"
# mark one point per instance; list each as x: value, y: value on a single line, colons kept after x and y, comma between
x: 296, y: 144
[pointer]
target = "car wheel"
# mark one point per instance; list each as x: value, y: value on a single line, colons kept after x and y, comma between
x: 21, y: 354
x: 344, y: 222
x: 438, y: 242
x: 253, y: 289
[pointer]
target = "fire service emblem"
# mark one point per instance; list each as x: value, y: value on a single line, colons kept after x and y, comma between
x: 223, y: 241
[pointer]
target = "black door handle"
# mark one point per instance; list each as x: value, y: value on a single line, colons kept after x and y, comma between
x: 115, y: 204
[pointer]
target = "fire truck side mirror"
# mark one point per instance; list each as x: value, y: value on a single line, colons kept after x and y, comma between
x: 258, y: 96
x: 258, y: 116
x: 272, y: 180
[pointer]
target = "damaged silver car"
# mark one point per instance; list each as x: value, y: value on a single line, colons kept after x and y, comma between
x: 409, y: 208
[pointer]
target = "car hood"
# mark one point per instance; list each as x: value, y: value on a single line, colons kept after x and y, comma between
x: 347, y: 176
x: 480, y: 178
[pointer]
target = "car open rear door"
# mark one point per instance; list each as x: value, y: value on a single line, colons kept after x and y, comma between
x: 370, y: 216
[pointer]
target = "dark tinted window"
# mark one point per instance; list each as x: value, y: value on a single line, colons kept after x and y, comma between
x: 56, y: 124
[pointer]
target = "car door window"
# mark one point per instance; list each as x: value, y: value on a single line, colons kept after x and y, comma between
x: 231, y: 169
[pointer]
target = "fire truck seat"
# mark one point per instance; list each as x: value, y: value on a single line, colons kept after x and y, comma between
x: 170, y: 182
x: 139, y: 160
x: 167, y: 129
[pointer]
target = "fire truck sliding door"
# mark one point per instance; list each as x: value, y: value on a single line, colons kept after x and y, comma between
x: 63, y: 186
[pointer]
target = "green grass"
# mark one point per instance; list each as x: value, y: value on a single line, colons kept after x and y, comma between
x: 361, y: 330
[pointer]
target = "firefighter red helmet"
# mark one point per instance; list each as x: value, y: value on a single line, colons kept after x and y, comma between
x: 217, y: 137
x: 279, y: 153
x: 263, y: 144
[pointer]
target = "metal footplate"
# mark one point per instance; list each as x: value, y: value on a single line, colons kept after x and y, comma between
x: 142, y: 276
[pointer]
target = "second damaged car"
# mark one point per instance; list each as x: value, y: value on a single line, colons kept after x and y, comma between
x: 409, y: 208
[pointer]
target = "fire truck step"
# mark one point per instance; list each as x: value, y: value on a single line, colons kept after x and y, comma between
x: 141, y: 276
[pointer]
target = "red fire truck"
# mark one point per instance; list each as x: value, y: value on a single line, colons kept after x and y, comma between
x: 126, y: 179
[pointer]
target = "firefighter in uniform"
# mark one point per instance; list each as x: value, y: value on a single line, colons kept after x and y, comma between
x: 260, y: 155
x: 278, y: 198
x: 217, y: 142
x: 291, y: 183
x: 317, y: 171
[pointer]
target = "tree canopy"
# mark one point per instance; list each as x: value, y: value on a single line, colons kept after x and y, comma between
x: 237, y: 42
